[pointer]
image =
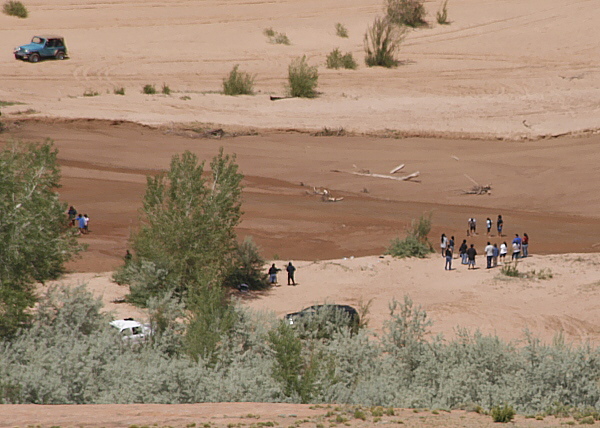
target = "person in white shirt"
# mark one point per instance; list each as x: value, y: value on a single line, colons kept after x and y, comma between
x: 503, y: 251
x: 516, y: 250
x: 489, y: 252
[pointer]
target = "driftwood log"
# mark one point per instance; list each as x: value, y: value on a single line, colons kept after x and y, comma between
x: 389, y: 177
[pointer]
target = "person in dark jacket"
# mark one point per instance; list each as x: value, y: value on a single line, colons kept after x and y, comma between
x: 471, y: 253
x: 273, y: 274
x: 290, y: 271
x: 463, y: 252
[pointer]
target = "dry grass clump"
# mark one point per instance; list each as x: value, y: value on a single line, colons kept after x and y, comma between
x: 336, y: 60
x: 341, y: 30
x: 15, y: 8
x: 382, y: 41
x: 442, y: 14
x: 410, y: 13
x: 275, y: 37
x: 302, y: 79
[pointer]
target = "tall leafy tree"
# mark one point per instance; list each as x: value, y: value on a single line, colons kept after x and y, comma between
x: 35, y: 239
x: 188, y: 225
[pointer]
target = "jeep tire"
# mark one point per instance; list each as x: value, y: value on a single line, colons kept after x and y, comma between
x: 60, y: 55
x: 34, y: 57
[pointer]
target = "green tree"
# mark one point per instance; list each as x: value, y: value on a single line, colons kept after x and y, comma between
x: 187, y: 233
x: 35, y: 239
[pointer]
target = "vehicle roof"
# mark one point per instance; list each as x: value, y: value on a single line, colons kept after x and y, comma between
x: 48, y: 36
x: 122, y: 324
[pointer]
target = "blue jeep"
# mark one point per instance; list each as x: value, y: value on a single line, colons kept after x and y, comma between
x: 42, y: 47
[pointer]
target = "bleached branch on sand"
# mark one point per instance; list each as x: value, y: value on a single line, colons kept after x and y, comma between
x: 398, y: 168
x: 389, y: 177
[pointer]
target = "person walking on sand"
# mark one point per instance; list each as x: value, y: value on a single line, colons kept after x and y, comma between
x: 489, y: 252
x: 81, y: 224
x: 87, y: 223
x: 525, y: 245
x: 495, y: 257
x: 444, y: 243
x: 516, y: 250
x: 472, y: 231
x: 448, y: 254
x: 72, y: 215
x: 503, y: 251
x: 488, y: 225
x: 471, y: 253
x: 499, y: 224
x: 463, y: 252
x: 290, y: 271
x: 273, y: 274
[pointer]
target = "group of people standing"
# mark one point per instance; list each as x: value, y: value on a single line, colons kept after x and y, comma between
x: 468, y: 253
x: 81, y: 221
x: 290, y: 268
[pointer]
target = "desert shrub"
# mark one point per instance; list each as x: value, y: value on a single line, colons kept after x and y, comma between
x: 238, y: 83
x: 248, y: 267
x: 15, y: 8
x: 442, y: 14
x: 341, y: 30
x: 119, y: 91
x: 336, y: 60
x: 503, y: 413
x: 166, y: 90
x: 149, y: 89
x: 302, y: 79
x: 91, y: 93
x: 275, y: 37
x: 416, y: 243
x: 382, y: 41
x: 410, y: 13
x: 510, y: 270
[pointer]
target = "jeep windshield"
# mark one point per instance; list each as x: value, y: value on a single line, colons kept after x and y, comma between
x: 37, y: 40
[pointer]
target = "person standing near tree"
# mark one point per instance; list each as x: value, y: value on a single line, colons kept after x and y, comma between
x: 72, y: 215
x: 290, y: 271
x: 81, y: 224
x: 273, y: 274
x: 87, y: 223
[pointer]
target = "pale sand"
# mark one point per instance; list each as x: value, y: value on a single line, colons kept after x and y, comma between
x: 504, y: 68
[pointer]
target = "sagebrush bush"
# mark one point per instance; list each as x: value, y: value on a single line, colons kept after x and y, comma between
x: 442, y: 14
x: 336, y: 60
x: 416, y: 243
x: 166, y: 90
x: 248, y: 267
x: 275, y: 37
x: 238, y: 83
x: 15, y: 8
x: 510, y: 270
x: 382, y: 41
x: 149, y: 89
x: 302, y: 79
x: 503, y: 413
x: 410, y: 13
x: 341, y: 30
x: 119, y: 91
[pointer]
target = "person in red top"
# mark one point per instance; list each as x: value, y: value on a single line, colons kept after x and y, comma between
x: 525, y: 245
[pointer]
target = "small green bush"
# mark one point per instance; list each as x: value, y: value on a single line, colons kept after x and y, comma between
x: 415, y: 244
x: 442, y: 14
x: 510, y: 270
x: 336, y: 60
x: 15, y: 8
x: 302, y: 79
x: 149, y: 89
x: 410, y: 13
x: 119, y: 91
x: 360, y: 414
x: 90, y: 93
x: 503, y: 414
x: 341, y: 30
x: 382, y: 41
x: 238, y: 83
x: 165, y: 89
x: 275, y: 37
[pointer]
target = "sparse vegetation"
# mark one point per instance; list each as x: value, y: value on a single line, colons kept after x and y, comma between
x: 302, y: 79
x: 416, y: 243
x: 91, y: 93
x: 442, y: 14
x: 341, y: 30
x: 503, y: 414
x: 185, y: 98
x: 149, y: 89
x: 510, y: 270
x: 15, y: 8
x: 119, y: 91
x: 330, y: 132
x: 238, y: 83
x: 382, y: 41
x: 166, y: 90
x: 410, y: 13
x: 275, y: 37
x: 336, y: 60
x: 9, y: 103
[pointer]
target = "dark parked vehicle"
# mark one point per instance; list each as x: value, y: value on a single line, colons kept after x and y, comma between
x: 317, y: 316
x: 42, y: 47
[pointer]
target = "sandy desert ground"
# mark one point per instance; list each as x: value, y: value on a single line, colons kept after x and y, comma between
x: 508, y: 94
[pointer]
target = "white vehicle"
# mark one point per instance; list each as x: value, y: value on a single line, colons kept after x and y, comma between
x: 132, y: 331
